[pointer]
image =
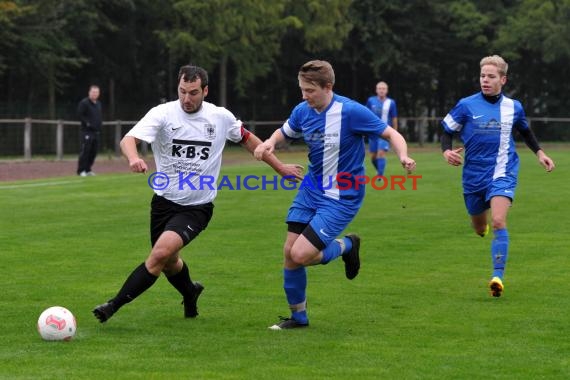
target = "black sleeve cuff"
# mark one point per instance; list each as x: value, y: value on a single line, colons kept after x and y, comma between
x: 446, y: 141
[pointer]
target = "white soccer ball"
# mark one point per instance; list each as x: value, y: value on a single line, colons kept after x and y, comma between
x: 57, y: 323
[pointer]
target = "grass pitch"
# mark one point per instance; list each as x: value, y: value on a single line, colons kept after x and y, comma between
x: 419, y: 309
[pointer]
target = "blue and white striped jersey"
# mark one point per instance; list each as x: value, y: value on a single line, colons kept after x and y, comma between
x: 486, y: 130
x: 335, y: 138
x: 385, y: 110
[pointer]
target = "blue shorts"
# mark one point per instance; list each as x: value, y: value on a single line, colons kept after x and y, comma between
x: 327, y: 217
x: 377, y: 143
x: 480, y: 201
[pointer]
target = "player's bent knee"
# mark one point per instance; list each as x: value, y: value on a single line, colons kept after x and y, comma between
x: 300, y: 258
x: 499, y: 224
x: 161, y: 256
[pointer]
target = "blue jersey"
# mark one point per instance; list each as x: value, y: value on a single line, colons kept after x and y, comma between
x: 386, y: 110
x: 486, y: 130
x: 335, y: 138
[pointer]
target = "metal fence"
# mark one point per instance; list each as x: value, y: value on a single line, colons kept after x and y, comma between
x: 25, y: 138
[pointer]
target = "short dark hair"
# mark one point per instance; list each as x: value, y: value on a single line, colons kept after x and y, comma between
x: 191, y: 73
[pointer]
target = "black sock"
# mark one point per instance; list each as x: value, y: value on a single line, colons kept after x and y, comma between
x: 374, y: 163
x: 139, y: 281
x: 182, y: 282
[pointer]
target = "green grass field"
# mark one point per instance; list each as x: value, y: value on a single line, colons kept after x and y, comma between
x: 419, y: 309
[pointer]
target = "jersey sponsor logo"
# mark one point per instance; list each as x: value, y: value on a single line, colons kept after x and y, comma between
x: 322, y: 231
x: 508, y: 191
x: 210, y: 131
x: 191, y: 149
x: 488, y: 128
x: 477, y: 117
x: 180, y: 126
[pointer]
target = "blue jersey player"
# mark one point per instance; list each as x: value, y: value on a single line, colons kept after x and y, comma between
x: 333, y: 127
x: 485, y: 123
x: 385, y: 108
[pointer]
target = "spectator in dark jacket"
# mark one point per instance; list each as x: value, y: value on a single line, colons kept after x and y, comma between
x: 90, y: 114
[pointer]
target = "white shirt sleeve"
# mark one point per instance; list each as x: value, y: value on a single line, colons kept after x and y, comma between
x: 233, y: 132
x: 147, y: 128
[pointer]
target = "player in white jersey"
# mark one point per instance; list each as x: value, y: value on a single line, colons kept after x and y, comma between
x: 333, y: 127
x: 385, y: 108
x: 187, y: 136
x: 485, y: 122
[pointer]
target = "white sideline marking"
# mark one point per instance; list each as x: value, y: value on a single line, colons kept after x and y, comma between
x: 41, y: 184
x: 51, y: 183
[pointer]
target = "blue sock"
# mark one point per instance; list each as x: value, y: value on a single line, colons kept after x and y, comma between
x: 500, y: 252
x: 334, y: 250
x: 295, y: 285
x: 380, y: 165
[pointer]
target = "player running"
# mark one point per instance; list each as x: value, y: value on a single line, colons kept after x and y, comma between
x: 333, y: 127
x: 188, y: 136
x: 385, y: 108
x: 485, y: 122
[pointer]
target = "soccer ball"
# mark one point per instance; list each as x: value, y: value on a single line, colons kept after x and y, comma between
x: 57, y: 323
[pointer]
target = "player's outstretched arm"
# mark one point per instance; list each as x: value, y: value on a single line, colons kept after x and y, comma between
x: 263, y: 151
x: 400, y: 147
x: 129, y: 149
x: 268, y: 146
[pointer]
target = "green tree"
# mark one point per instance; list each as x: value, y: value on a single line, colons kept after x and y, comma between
x: 535, y: 39
x: 427, y: 49
x: 324, y: 27
x: 111, y: 41
x: 216, y: 33
x: 324, y: 24
x: 44, y: 51
x: 10, y: 12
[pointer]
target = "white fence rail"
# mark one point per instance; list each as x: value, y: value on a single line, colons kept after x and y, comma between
x: 29, y: 125
x: 27, y: 137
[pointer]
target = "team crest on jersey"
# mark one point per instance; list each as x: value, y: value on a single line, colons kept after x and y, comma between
x: 210, y: 131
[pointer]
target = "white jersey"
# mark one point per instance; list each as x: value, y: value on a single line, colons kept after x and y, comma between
x: 188, y: 148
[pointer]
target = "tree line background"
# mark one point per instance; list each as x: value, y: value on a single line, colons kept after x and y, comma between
x: 427, y: 50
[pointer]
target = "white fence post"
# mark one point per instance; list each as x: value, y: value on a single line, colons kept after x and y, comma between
x: 118, y: 138
x: 27, y: 138
x: 59, y: 140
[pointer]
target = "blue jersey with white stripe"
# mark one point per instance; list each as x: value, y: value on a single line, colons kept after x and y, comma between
x: 385, y: 110
x: 335, y: 138
x: 486, y: 132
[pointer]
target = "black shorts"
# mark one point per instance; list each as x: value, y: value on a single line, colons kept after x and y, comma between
x: 306, y: 230
x: 186, y: 221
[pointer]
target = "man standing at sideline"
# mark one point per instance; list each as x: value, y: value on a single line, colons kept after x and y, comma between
x: 91, y: 116
x: 385, y: 108
x: 188, y: 136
